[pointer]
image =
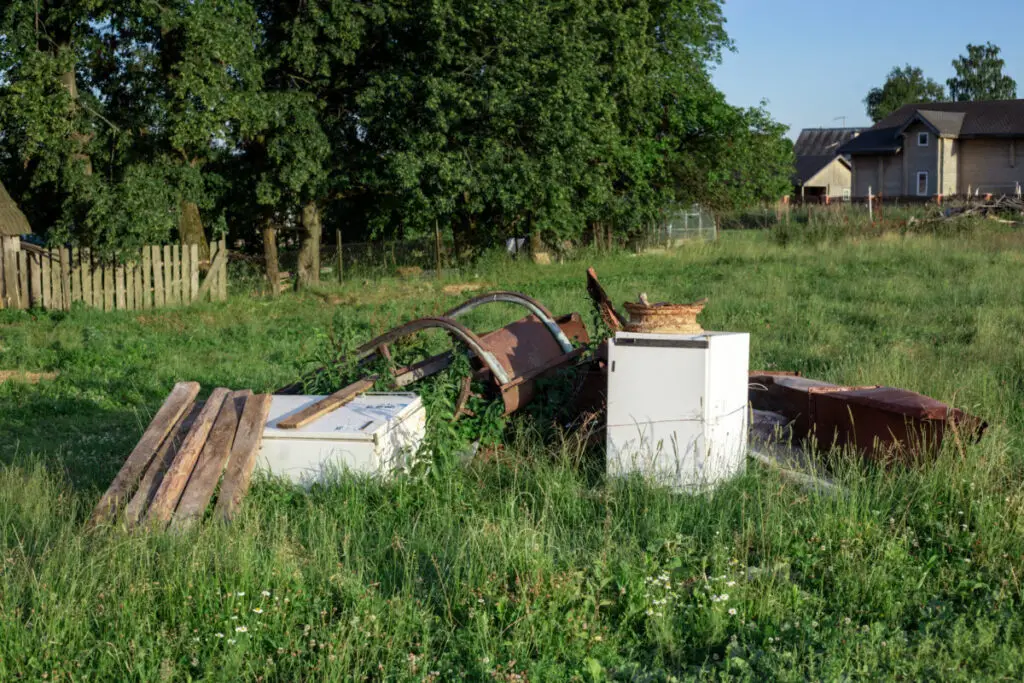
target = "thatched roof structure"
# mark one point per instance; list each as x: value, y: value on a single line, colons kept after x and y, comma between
x: 12, y: 220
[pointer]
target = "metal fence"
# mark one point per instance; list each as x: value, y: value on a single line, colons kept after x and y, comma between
x: 680, y: 225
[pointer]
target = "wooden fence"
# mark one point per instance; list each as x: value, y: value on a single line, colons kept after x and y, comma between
x: 162, y: 275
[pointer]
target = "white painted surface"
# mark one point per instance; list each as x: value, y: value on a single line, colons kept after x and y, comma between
x: 374, y: 434
x: 677, y: 407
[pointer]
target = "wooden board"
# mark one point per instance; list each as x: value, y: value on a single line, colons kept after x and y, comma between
x: 55, y: 282
x: 23, y: 278
x: 140, y: 293
x: 108, y: 288
x: 44, y: 276
x: 177, y: 475
x: 243, y: 457
x: 13, y: 297
x: 222, y: 277
x: 119, y: 288
x: 326, y: 404
x: 176, y: 404
x: 147, y: 279
x: 206, y: 287
x: 168, y: 277
x: 179, y: 267
x: 193, y: 250
x: 186, y: 274
x: 76, y: 277
x: 36, y: 276
x: 97, y: 285
x: 85, y: 273
x: 65, y: 278
x: 158, y: 278
x: 211, y: 462
x: 151, y: 480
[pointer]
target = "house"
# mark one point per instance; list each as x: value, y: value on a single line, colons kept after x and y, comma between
x: 941, y: 149
x: 820, y: 170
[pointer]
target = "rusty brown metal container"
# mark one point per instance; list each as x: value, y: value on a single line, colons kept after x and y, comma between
x: 664, y: 318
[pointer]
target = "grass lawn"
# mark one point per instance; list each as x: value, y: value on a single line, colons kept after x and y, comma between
x: 524, y: 569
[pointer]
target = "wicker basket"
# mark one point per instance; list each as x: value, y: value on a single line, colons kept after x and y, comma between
x: 664, y: 318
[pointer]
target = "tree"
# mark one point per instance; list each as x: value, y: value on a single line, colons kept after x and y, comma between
x: 906, y: 85
x: 979, y: 76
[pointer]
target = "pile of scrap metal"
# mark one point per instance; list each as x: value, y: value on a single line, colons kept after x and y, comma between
x: 884, y: 424
x: 510, y: 359
x: 881, y: 422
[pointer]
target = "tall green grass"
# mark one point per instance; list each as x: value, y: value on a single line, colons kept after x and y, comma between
x: 524, y: 567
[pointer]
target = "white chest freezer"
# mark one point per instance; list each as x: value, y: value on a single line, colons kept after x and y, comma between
x: 374, y: 434
x: 677, y: 407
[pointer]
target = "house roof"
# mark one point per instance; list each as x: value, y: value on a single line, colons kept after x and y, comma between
x: 964, y: 120
x: 815, y: 148
x: 12, y: 220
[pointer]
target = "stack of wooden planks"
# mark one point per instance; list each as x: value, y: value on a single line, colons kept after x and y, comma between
x: 171, y: 475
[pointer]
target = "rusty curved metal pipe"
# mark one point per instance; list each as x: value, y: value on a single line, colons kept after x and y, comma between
x: 535, y: 307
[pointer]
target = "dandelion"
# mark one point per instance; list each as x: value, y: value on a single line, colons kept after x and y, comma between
x: 265, y: 594
x: 732, y: 611
x: 258, y: 610
x: 241, y: 629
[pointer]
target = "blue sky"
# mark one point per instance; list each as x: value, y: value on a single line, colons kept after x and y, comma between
x: 815, y: 61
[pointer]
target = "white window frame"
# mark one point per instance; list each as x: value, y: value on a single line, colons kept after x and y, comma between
x: 846, y: 194
x: 923, y: 135
x: 918, y: 186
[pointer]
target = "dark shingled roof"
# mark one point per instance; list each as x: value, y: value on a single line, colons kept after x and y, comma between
x: 964, y: 120
x: 12, y: 220
x: 815, y: 148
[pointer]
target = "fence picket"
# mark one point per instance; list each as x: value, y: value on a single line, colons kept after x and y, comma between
x: 97, y: 284
x: 76, y: 278
x: 55, y: 292
x: 223, y: 281
x: 44, y: 277
x: 65, y: 278
x: 119, y: 288
x: 108, y: 288
x: 23, y: 273
x: 168, y: 276
x: 193, y: 259
x: 85, y: 275
x: 36, y: 278
x: 147, y: 279
x: 158, y: 278
x: 137, y: 286
x: 10, y: 267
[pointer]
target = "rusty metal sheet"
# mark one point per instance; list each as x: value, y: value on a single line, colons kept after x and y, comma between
x: 605, y: 308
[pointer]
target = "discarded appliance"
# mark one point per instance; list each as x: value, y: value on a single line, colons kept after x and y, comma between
x: 883, y: 423
x: 375, y: 433
x: 511, y: 358
x: 677, y: 407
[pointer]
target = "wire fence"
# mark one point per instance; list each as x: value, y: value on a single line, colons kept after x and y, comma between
x: 679, y: 226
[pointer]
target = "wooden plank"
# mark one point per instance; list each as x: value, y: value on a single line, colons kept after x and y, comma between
x: 85, y: 272
x: 36, y: 277
x: 186, y: 275
x: 222, y: 278
x: 12, y: 295
x: 129, y: 287
x: 182, y: 288
x: 119, y: 288
x: 174, y: 406
x: 326, y: 404
x: 108, y: 287
x: 243, y: 457
x: 206, y: 287
x: 211, y: 274
x: 193, y: 259
x: 154, y: 475
x: 55, y: 286
x: 137, y: 285
x: 65, y: 278
x: 172, y: 278
x: 147, y: 279
x: 207, y: 471
x: 97, y: 284
x: 176, y: 477
x: 168, y: 277
x: 44, y: 275
x: 158, y: 277
x: 23, y: 278
x: 76, y: 277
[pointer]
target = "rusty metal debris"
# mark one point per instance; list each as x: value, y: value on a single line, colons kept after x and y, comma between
x: 883, y: 423
x: 512, y: 358
x: 604, y: 305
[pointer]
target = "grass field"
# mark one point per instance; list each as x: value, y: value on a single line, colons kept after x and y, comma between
x: 525, y: 569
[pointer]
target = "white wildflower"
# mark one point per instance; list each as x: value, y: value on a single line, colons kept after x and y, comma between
x: 265, y: 594
x: 240, y: 594
x: 219, y: 635
x: 732, y: 611
x: 258, y: 610
x: 241, y: 629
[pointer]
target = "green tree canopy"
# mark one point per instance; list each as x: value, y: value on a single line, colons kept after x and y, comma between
x: 979, y: 76
x: 904, y: 85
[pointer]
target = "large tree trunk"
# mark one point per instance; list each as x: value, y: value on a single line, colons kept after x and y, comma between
x: 190, y: 228
x: 270, y: 256
x: 308, y: 269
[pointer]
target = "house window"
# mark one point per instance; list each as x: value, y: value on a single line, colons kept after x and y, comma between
x: 846, y: 194
x: 922, y: 183
x: 922, y: 139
